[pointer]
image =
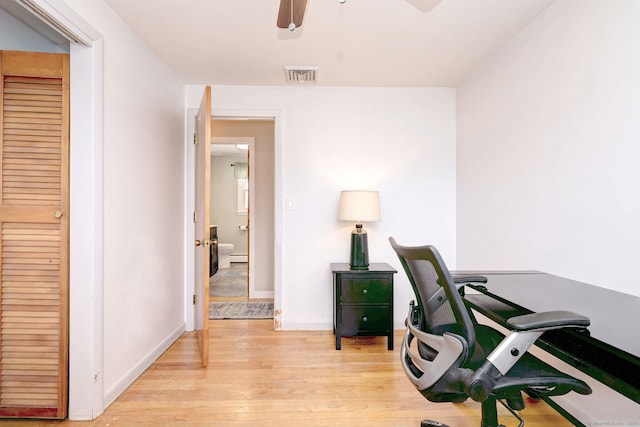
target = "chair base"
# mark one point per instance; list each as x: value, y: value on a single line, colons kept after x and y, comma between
x: 432, y: 423
x: 490, y: 413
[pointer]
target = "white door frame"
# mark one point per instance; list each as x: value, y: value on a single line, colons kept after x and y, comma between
x: 86, y: 256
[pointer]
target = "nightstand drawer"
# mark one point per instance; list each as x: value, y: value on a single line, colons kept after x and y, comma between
x: 365, y: 320
x: 370, y: 290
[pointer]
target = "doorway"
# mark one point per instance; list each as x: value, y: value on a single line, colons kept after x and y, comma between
x: 232, y: 218
x: 242, y: 210
x: 259, y: 133
x: 265, y: 126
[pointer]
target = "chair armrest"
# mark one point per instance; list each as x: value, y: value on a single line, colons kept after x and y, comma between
x: 526, y: 330
x: 462, y: 281
x: 548, y: 320
x: 439, y: 297
x: 469, y: 279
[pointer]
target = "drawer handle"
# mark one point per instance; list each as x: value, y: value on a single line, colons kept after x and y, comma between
x: 365, y: 291
x: 364, y: 319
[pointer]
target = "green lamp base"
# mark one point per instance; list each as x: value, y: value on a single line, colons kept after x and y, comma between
x: 359, y: 249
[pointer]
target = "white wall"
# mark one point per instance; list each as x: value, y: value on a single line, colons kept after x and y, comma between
x: 143, y: 201
x: 398, y: 141
x: 548, y: 148
x: 224, y: 208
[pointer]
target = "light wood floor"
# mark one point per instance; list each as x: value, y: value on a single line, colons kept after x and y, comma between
x: 258, y: 377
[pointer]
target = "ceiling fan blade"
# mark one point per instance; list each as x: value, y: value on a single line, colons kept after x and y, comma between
x: 284, y: 14
x: 424, y: 6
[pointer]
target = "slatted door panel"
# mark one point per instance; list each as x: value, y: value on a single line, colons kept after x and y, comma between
x: 32, y: 152
x: 34, y: 235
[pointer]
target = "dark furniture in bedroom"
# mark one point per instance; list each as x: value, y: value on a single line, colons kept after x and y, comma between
x: 363, y: 301
x: 213, y: 255
x: 450, y: 357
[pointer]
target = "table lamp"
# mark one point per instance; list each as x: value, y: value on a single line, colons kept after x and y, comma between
x: 359, y: 206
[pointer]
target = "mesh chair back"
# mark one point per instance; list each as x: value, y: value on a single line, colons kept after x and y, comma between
x: 440, y: 306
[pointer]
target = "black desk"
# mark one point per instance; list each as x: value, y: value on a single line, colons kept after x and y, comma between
x: 608, y: 351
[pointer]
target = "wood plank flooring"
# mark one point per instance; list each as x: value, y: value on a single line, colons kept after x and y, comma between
x: 258, y: 377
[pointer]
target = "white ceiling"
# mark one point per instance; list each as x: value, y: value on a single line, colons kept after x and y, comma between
x: 359, y: 43
x: 218, y: 150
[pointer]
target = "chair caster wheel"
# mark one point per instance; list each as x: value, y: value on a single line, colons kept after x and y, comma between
x: 432, y: 423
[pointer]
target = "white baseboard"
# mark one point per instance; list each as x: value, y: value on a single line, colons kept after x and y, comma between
x: 238, y: 258
x: 304, y: 326
x: 261, y: 295
x: 120, y: 386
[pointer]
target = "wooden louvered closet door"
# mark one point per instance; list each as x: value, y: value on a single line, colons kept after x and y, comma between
x: 34, y: 193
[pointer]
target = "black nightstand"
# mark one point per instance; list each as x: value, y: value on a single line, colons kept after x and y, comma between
x: 363, y: 301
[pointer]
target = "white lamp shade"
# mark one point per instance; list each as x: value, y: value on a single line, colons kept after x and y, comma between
x: 359, y: 206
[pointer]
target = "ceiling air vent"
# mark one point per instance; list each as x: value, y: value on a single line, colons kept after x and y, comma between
x: 301, y: 75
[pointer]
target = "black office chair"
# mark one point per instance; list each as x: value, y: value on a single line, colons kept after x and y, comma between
x: 455, y: 358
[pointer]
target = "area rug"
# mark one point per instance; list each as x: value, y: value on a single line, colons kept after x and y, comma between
x: 241, y: 310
